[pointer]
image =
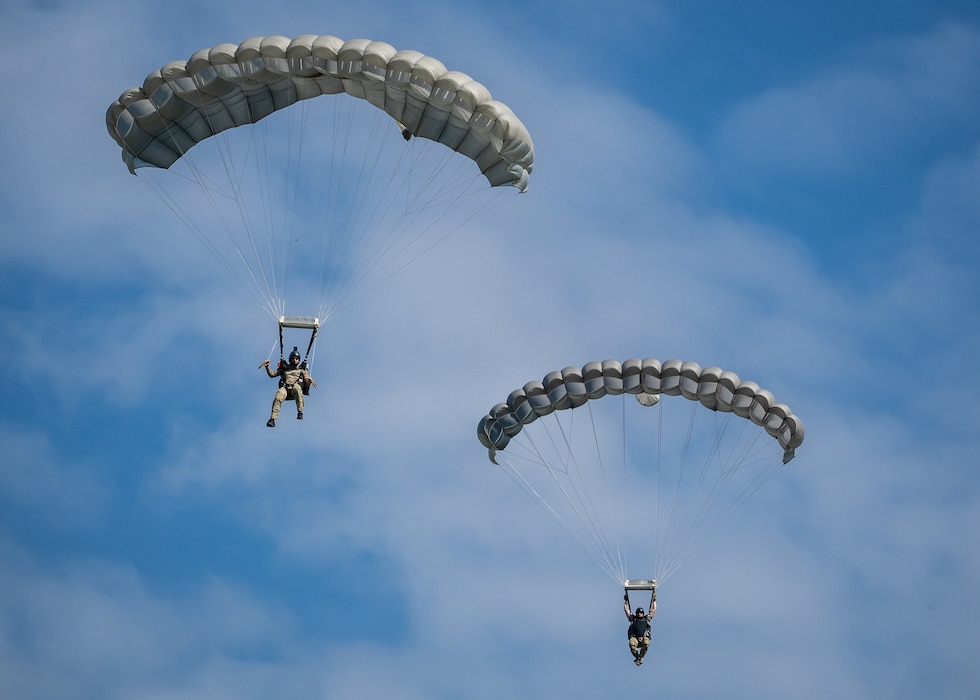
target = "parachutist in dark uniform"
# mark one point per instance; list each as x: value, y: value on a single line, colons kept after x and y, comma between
x: 294, y: 382
x: 639, y: 629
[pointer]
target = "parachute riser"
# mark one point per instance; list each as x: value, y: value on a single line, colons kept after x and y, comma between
x: 309, y: 322
x: 641, y: 585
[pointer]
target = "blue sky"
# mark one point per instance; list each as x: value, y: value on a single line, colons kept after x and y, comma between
x: 789, y: 190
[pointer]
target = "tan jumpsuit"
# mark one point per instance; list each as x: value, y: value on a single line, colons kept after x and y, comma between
x: 290, y: 385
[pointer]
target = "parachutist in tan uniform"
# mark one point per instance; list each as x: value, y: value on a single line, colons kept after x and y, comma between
x: 293, y: 379
x: 639, y: 629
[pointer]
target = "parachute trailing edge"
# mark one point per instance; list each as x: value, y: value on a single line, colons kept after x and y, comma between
x: 185, y: 102
x: 716, y: 389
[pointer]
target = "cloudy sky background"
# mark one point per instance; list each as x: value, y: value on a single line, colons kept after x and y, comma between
x: 789, y: 190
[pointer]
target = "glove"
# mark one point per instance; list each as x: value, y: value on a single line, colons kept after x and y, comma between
x: 626, y: 597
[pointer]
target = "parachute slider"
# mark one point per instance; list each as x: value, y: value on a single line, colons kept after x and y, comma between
x: 299, y: 322
x: 638, y: 584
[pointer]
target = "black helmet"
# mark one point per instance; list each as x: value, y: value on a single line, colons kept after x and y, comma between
x: 294, y: 355
x: 639, y: 611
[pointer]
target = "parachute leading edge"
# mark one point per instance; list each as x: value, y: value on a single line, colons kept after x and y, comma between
x: 186, y: 102
x: 571, y: 387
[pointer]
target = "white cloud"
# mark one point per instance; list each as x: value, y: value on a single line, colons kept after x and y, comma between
x: 95, y: 629
x: 47, y: 490
x: 860, y: 559
x: 847, y: 120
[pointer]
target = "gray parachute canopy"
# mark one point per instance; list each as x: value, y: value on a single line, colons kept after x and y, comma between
x: 647, y: 379
x: 226, y: 86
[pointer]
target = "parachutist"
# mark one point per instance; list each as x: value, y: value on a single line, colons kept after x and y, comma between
x: 271, y: 174
x: 639, y: 629
x: 294, y: 383
x: 630, y: 460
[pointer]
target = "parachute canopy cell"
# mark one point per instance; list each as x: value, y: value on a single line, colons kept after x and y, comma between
x: 647, y: 379
x: 186, y: 102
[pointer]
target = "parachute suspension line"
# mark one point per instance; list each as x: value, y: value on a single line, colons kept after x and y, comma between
x: 235, y: 178
x: 256, y: 270
x: 282, y: 241
x: 588, y: 514
x: 346, y: 233
x: 394, y: 269
x: 714, y: 493
x: 294, y: 182
x: 607, y: 484
x: 570, y: 491
x: 763, y: 456
x: 670, y: 541
x: 515, y: 475
x: 465, y: 186
x: 273, y: 349
x: 294, y: 168
x: 476, y: 188
x: 209, y: 189
x: 727, y: 467
x: 658, y: 550
x: 678, y: 532
x: 274, y: 196
x: 752, y: 452
x: 275, y: 240
x: 624, y: 466
x: 744, y: 451
x: 686, y: 523
x: 373, y: 236
x: 378, y: 238
x: 148, y: 179
x: 700, y: 476
x: 385, y: 238
x: 341, y: 232
x: 746, y: 494
x: 329, y: 233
